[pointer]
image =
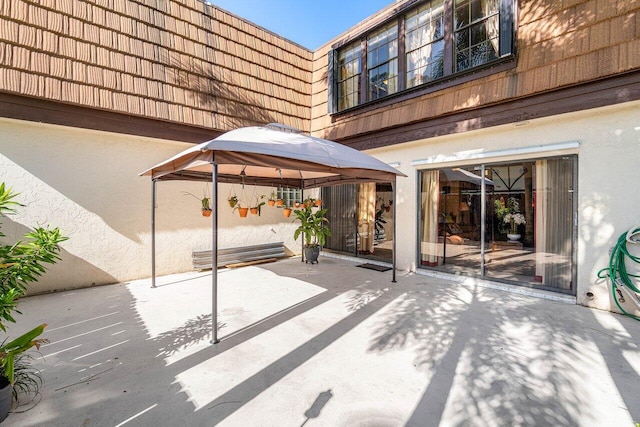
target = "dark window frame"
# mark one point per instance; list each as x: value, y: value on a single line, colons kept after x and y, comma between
x: 451, y: 77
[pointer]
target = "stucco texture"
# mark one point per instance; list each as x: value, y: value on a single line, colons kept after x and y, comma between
x: 87, y: 184
x: 608, y: 153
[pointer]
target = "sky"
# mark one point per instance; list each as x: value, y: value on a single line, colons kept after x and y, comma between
x: 310, y: 23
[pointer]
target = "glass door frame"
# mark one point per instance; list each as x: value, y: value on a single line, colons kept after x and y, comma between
x: 483, y: 215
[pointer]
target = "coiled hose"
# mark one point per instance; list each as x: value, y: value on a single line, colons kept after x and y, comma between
x: 617, y: 269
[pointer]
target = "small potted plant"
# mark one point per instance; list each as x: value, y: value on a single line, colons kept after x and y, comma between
x: 242, y: 211
x: 206, y: 202
x: 315, y: 227
x: 206, y: 206
x: 286, y: 211
x: 233, y: 201
x: 257, y: 206
x: 272, y: 198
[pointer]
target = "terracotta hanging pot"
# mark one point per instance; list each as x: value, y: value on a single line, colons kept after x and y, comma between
x: 280, y: 202
x: 296, y: 205
x: 243, y: 212
x: 206, y: 212
x: 318, y: 202
x: 271, y: 202
x: 286, y: 212
x: 254, y: 211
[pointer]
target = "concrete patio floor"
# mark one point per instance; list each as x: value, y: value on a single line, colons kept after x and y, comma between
x: 328, y: 345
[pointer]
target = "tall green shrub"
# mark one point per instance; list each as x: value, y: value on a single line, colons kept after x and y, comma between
x: 21, y: 264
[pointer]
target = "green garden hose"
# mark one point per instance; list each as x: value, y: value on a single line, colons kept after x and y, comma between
x: 617, y: 269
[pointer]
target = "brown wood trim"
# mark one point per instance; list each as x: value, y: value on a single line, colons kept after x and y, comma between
x: 55, y: 113
x: 498, y: 66
x: 600, y: 93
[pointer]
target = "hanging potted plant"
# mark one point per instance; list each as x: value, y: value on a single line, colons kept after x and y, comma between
x: 279, y: 202
x: 206, y: 202
x: 286, y: 211
x: 206, y: 206
x: 317, y: 202
x: 233, y: 201
x: 272, y: 199
x: 257, y: 205
x: 242, y: 211
x: 315, y: 227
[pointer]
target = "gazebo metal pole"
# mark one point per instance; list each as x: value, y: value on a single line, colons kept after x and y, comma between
x: 153, y: 233
x: 214, y: 254
x: 393, y: 246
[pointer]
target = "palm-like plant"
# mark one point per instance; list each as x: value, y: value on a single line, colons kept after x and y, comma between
x: 314, y: 225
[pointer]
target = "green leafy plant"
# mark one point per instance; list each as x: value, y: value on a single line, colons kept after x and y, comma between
x: 259, y: 203
x: 314, y: 225
x: 206, y: 201
x: 505, y: 209
x: 27, y: 379
x: 21, y: 263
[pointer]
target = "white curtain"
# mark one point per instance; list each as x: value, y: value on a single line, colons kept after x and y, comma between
x: 492, y: 24
x: 366, y: 216
x: 431, y: 250
x: 554, y: 222
x: 541, y: 192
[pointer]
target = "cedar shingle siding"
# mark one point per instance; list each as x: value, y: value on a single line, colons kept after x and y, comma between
x: 558, y: 44
x: 178, y: 61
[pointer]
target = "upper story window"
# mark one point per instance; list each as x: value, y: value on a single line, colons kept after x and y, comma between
x: 432, y: 42
x: 424, y: 43
x: 476, y: 37
x: 349, y: 70
x: 382, y: 62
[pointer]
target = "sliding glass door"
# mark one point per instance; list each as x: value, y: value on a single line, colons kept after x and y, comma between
x: 525, y: 234
x: 361, y: 219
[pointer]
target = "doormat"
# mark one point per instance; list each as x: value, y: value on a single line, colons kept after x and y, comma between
x: 374, y: 267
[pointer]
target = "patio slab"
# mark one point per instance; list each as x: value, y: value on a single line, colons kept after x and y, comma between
x: 327, y: 345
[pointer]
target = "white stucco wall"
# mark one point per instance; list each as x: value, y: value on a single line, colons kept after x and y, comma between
x: 608, y: 172
x: 87, y: 183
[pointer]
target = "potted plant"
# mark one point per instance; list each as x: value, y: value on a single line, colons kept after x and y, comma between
x: 20, y: 264
x: 508, y: 212
x: 242, y: 211
x: 272, y: 199
x: 315, y: 227
x: 514, y: 220
x: 286, y: 211
x: 233, y: 201
x: 206, y: 203
x: 257, y: 206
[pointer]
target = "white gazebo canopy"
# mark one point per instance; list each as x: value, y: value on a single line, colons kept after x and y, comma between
x: 271, y: 155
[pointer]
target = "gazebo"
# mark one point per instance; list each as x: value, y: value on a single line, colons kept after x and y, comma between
x: 271, y: 155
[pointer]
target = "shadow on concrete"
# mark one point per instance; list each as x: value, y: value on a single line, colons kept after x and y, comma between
x: 470, y: 343
x: 487, y: 357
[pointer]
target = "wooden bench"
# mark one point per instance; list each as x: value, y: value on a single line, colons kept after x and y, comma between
x: 242, y: 254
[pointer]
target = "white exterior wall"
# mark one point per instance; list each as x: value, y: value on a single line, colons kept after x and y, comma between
x: 608, y: 172
x: 87, y: 183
